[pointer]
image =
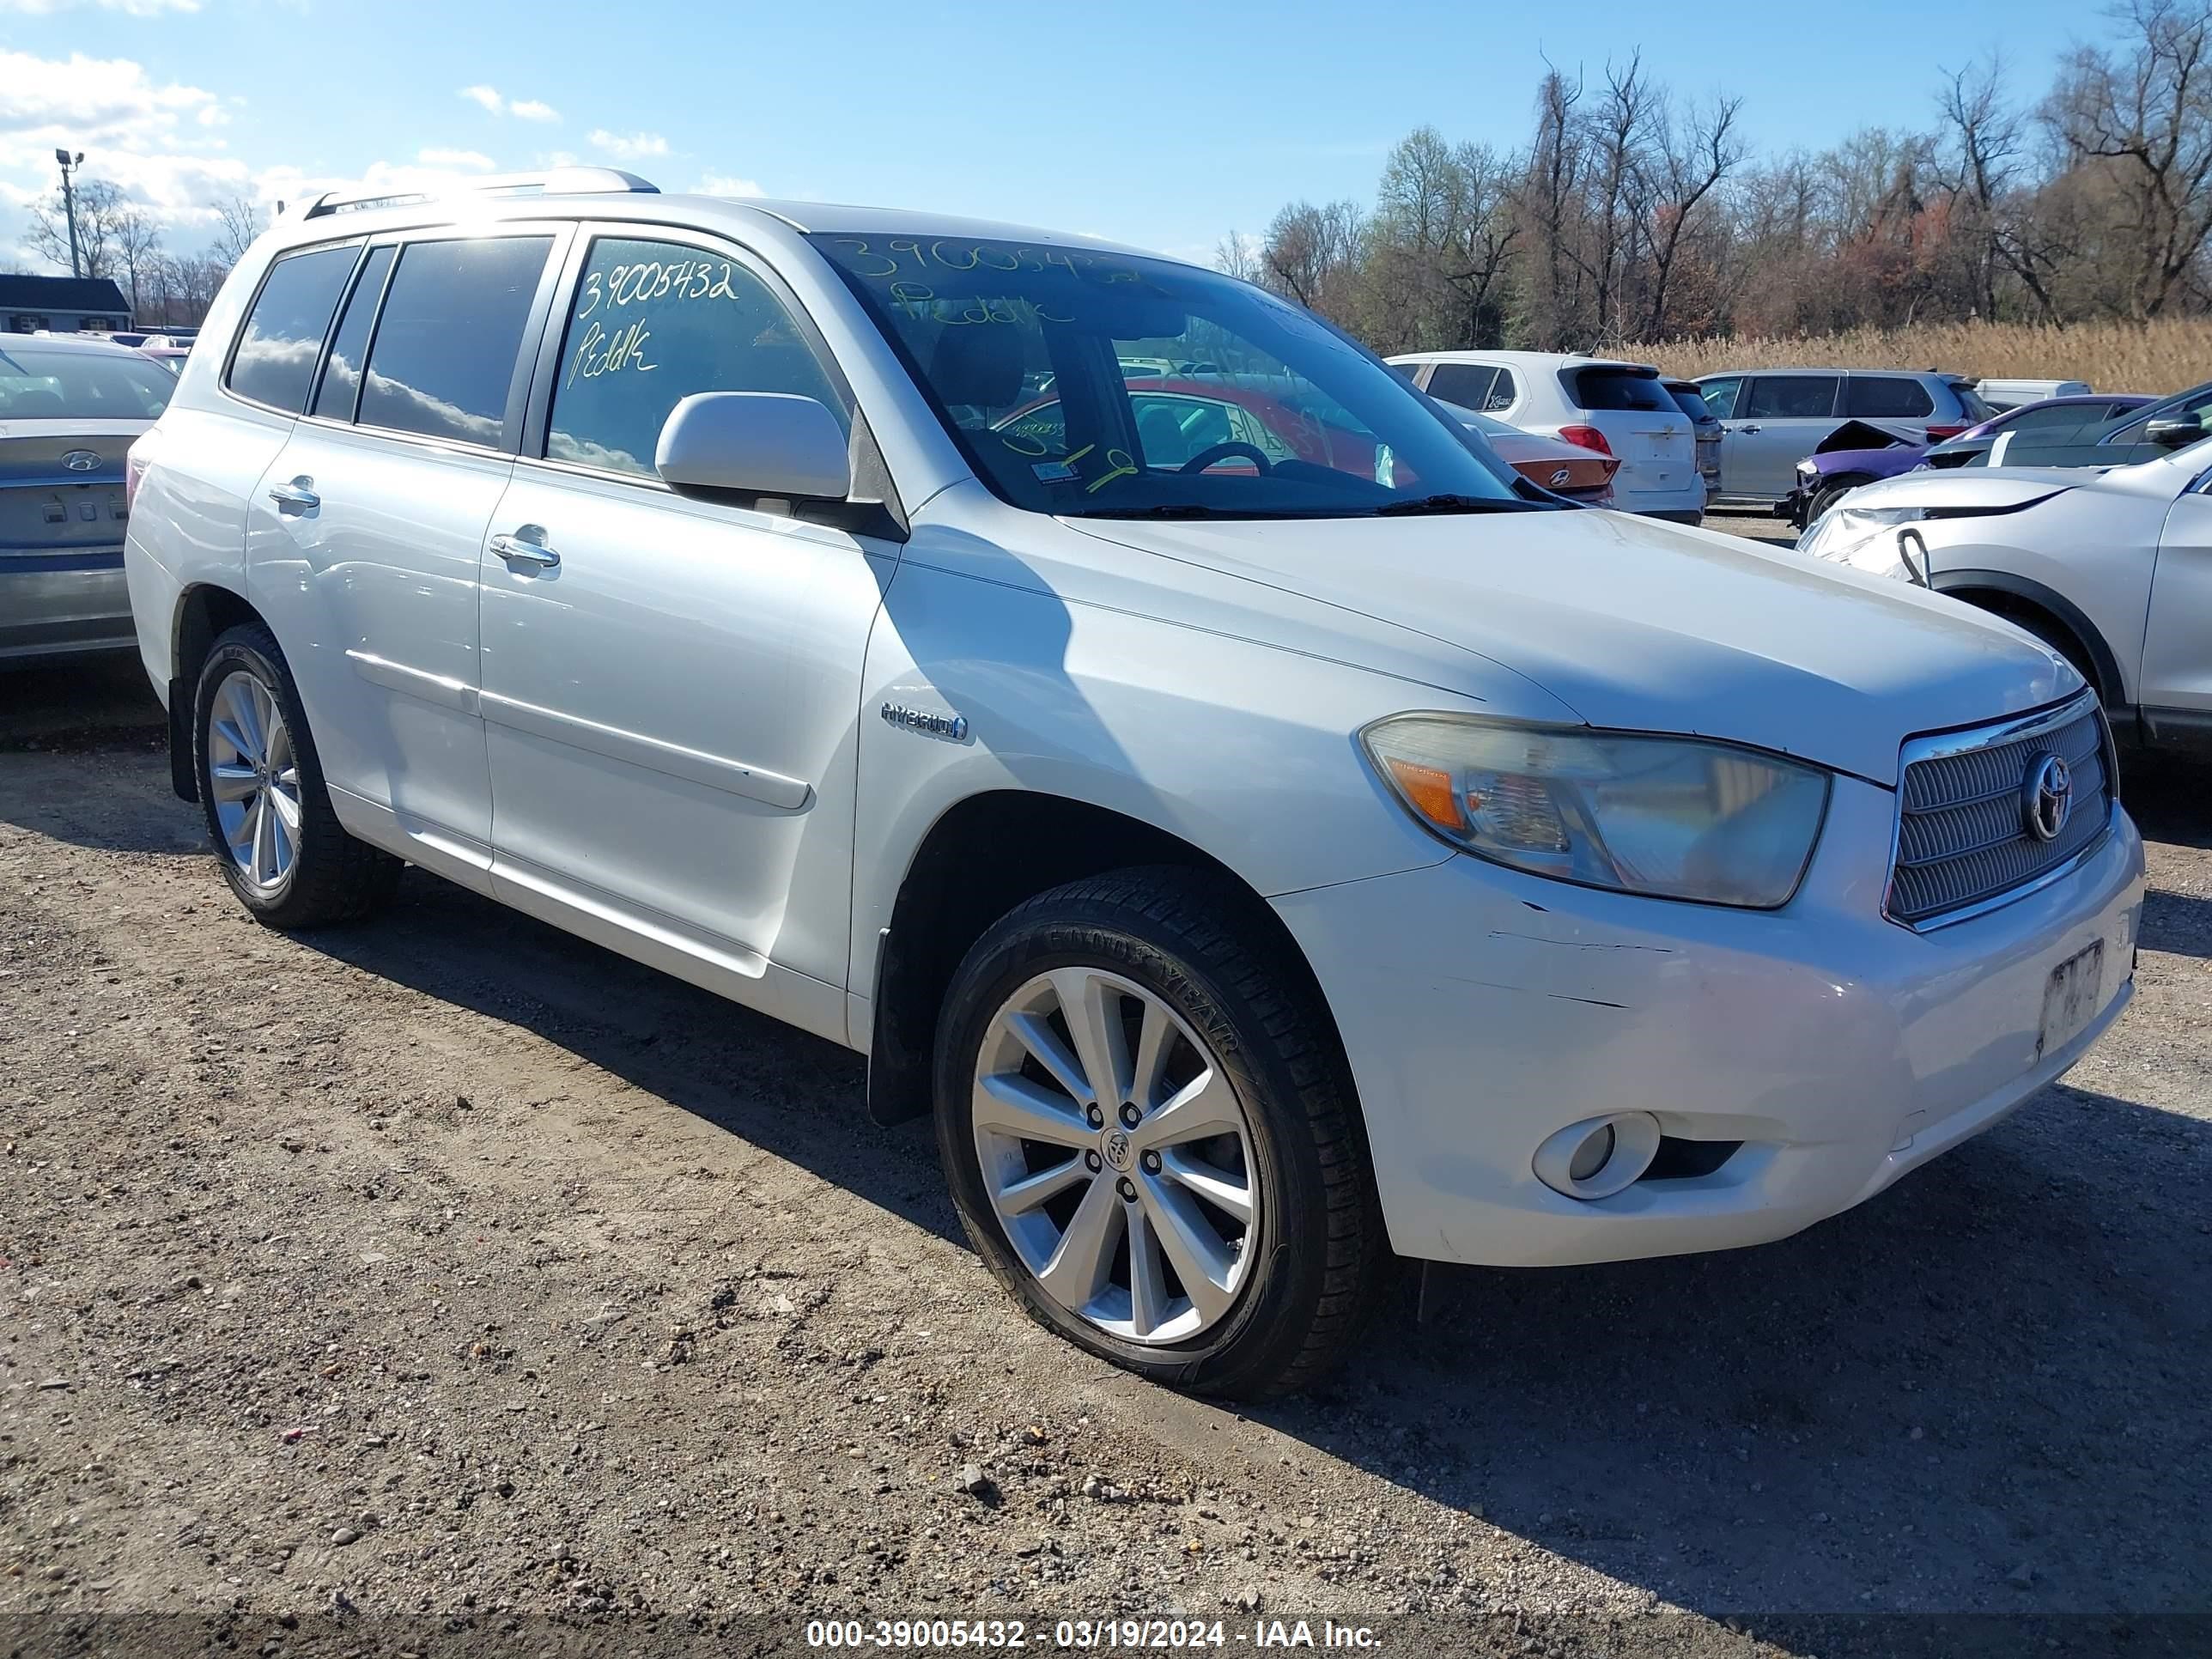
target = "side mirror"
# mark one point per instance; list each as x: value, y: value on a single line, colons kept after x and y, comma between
x: 2173, y: 431
x: 754, y: 443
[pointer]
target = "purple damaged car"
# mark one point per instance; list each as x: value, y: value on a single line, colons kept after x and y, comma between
x: 1855, y: 454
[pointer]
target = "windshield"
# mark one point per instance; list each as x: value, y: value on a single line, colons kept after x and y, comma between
x: 39, y: 384
x: 1097, y: 384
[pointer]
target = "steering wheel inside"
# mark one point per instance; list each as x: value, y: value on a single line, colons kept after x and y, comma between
x: 1213, y: 454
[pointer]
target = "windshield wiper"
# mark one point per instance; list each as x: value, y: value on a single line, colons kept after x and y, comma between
x: 1186, y: 510
x: 1456, y: 504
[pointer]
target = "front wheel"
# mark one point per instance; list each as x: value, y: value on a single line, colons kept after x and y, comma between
x: 1147, y: 1137
x: 285, y: 854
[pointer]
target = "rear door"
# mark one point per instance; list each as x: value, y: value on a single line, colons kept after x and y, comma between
x: 1644, y: 429
x: 1778, y: 420
x: 363, y: 548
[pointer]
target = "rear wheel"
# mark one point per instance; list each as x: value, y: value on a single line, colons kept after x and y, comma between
x: 282, y: 850
x: 1147, y: 1139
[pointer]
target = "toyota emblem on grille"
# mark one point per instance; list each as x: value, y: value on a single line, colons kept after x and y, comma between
x: 81, y: 460
x: 2049, y: 797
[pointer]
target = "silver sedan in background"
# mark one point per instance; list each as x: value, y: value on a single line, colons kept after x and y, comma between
x: 70, y: 410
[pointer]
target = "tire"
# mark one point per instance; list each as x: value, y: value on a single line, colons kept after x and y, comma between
x: 328, y: 876
x: 1830, y: 494
x: 1179, y: 948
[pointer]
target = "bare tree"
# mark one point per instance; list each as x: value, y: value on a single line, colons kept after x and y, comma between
x: 2145, y: 112
x: 138, y: 242
x: 1691, y: 161
x: 1239, y: 256
x: 96, y: 204
x: 238, y: 222
x: 1311, y: 252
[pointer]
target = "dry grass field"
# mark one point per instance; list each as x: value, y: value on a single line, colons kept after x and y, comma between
x: 2159, y: 356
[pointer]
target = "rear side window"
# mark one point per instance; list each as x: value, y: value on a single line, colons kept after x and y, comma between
x: 1788, y: 397
x: 1502, y: 394
x: 1466, y: 384
x: 1615, y: 388
x: 652, y: 323
x: 1720, y: 396
x: 447, y: 338
x: 2066, y: 417
x: 341, y: 384
x: 275, y: 361
x: 1886, y: 397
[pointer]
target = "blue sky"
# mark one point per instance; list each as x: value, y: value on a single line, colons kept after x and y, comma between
x: 1161, y: 125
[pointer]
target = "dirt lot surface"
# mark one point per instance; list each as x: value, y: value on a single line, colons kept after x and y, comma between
x: 445, y: 1285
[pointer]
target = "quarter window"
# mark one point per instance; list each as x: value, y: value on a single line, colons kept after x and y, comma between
x: 1502, y: 394
x: 652, y: 323
x: 1789, y: 398
x: 1886, y: 397
x: 447, y: 338
x: 275, y: 361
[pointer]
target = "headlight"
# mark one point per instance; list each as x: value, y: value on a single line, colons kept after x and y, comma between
x: 1672, y: 818
x: 1836, y: 532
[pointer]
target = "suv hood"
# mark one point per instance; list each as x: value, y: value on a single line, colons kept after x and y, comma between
x: 1972, y: 489
x: 1639, y: 625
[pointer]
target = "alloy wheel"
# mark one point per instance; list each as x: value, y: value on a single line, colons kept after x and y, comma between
x: 1117, y: 1156
x: 253, y: 779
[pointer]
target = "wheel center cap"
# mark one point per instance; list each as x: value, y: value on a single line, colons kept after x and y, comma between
x: 1114, y: 1147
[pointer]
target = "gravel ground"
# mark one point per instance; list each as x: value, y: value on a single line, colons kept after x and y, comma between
x: 448, y: 1285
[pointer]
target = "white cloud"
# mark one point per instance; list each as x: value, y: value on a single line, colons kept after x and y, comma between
x: 494, y: 102
x: 629, y: 146
x: 161, y: 143
x: 725, y: 184
x: 128, y: 8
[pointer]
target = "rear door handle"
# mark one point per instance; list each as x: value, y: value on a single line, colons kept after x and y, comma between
x: 296, y: 496
x: 1748, y: 428
x: 527, y: 546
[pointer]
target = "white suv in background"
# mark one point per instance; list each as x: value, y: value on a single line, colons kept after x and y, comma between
x: 1618, y: 409
x: 1257, y: 858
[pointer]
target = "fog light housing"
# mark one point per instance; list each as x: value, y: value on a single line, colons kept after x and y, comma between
x: 1599, y: 1155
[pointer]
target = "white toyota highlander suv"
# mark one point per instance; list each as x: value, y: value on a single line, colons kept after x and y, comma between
x: 1264, y: 832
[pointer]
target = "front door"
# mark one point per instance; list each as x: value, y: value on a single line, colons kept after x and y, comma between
x: 671, y: 685
x: 365, y: 541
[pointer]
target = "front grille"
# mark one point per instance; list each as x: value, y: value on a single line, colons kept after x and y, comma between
x: 1963, y: 835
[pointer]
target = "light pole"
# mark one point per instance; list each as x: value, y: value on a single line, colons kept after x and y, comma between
x: 69, y: 202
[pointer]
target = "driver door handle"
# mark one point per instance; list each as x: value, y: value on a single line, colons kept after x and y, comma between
x: 295, y: 496
x: 527, y: 546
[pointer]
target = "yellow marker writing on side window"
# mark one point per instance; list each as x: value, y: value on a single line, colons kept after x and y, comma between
x: 1123, y: 468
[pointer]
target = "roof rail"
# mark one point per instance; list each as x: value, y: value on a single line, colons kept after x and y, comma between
x: 554, y: 181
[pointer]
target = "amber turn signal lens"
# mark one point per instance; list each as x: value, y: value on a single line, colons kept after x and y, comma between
x: 1428, y: 790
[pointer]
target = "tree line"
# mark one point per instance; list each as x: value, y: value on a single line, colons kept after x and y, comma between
x: 1634, y: 214
x: 118, y: 238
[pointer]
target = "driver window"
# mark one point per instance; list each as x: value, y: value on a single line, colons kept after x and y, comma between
x: 650, y: 324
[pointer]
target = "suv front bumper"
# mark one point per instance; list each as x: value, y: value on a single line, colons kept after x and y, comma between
x: 1482, y: 1010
